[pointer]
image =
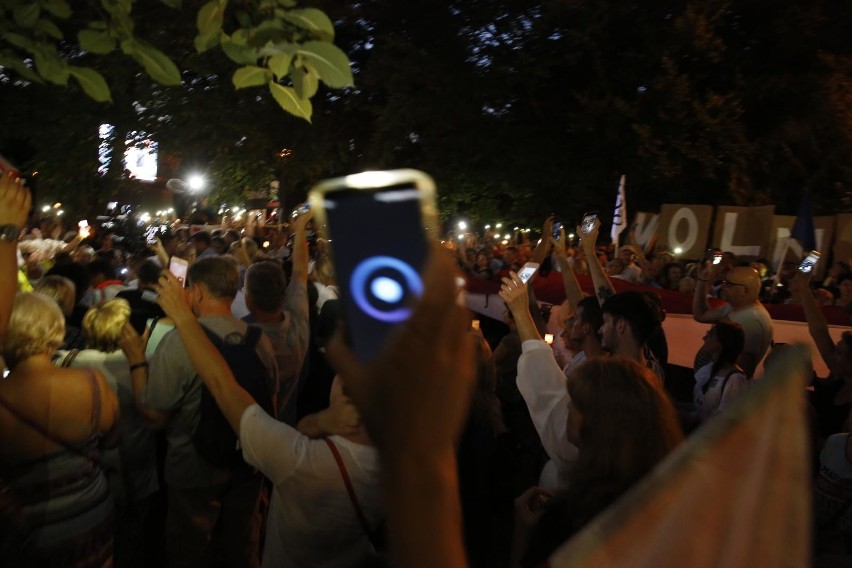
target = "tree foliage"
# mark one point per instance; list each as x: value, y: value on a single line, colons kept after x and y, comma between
x: 517, y: 108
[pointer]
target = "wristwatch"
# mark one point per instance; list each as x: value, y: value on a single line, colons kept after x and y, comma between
x: 9, y: 233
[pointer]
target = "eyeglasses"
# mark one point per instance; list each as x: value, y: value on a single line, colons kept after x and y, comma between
x: 728, y: 284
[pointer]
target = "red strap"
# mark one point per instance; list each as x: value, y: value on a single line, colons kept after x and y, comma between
x: 349, y: 489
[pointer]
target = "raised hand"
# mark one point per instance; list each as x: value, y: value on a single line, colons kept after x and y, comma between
x: 15, y: 200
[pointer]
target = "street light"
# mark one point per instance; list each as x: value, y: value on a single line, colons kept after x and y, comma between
x: 196, y: 183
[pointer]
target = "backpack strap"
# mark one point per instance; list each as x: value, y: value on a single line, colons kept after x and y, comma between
x: 351, y: 491
x: 732, y: 372
x: 252, y: 335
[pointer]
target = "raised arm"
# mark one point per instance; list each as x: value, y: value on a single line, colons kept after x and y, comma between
x: 540, y: 250
x: 514, y: 293
x: 15, y: 201
x: 600, y: 279
x: 211, y: 367
x: 800, y: 287
x: 701, y: 310
x: 573, y: 292
x: 414, y: 401
x: 300, y: 249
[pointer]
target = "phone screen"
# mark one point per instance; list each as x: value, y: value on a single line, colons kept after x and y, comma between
x: 179, y: 267
x: 717, y: 258
x: 527, y: 271
x: 379, y: 245
x: 809, y: 262
x: 548, y: 338
x: 556, y: 227
x: 589, y: 222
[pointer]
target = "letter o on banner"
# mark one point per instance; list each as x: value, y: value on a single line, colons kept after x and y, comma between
x: 688, y: 215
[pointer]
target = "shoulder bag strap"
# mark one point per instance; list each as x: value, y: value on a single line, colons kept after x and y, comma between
x: 350, y: 490
x: 69, y: 358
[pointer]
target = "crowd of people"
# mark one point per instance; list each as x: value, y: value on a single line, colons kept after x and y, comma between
x: 221, y: 420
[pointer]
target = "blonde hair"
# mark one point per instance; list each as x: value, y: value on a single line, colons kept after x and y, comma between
x: 37, y: 327
x: 60, y: 289
x: 103, y: 324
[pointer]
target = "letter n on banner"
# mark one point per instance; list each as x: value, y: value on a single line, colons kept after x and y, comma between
x: 843, y: 241
x: 645, y: 229
x: 685, y: 227
x: 743, y: 231
x: 780, y: 243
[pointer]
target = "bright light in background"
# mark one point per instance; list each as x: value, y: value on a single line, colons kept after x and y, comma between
x: 57, y: 205
x: 461, y: 237
x: 60, y: 212
x: 570, y: 235
x: 678, y: 250
x: 515, y: 229
x: 498, y: 225
x: 462, y: 226
x: 487, y: 227
x: 196, y: 182
x: 507, y: 236
x: 45, y: 209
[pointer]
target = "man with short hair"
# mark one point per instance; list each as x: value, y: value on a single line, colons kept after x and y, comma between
x: 281, y: 311
x: 203, y: 245
x: 202, y: 497
x: 583, y: 336
x: 629, y: 320
x: 143, y: 298
x: 632, y: 272
x: 740, y: 290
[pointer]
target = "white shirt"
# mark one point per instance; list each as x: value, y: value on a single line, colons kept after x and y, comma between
x: 542, y: 384
x: 312, y: 521
x: 715, y: 400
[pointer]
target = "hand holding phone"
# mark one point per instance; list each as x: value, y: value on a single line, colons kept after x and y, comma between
x: 379, y: 277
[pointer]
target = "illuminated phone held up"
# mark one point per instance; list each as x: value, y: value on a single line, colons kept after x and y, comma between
x: 179, y: 267
x: 527, y: 271
x: 588, y: 222
x: 378, y: 225
x: 809, y: 262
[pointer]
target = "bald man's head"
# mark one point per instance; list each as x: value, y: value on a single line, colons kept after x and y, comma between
x: 742, y: 286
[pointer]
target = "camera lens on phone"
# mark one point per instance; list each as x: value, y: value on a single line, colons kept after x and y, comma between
x: 382, y: 286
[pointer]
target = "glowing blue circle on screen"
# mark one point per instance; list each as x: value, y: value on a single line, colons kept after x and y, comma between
x: 384, y: 287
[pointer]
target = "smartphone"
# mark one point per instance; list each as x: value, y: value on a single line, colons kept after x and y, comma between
x: 84, y: 229
x: 717, y: 258
x: 556, y: 226
x: 301, y: 209
x: 527, y: 271
x: 809, y: 262
x: 179, y: 267
x: 378, y: 226
x: 548, y: 338
x: 588, y: 222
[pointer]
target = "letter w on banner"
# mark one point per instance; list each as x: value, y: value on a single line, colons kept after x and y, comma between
x: 619, y: 215
x: 736, y: 493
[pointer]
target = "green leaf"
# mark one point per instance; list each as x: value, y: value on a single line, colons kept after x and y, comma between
x: 240, y: 37
x: 250, y: 76
x: 92, y: 83
x: 172, y: 3
x: 287, y: 98
x: 98, y: 25
x: 58, y: 8
x: 18, y: 40
x: 51, y: 67
x: 203, y: 43
x: 313, y: 20
x: 239, y: 53
x: 96, y: 42
x: 210, y: 17
x: 288, y: 49
x: 10, y: 61
x: 330, y: 63
x: 157, y: 64
x: 244, y: 19
x: 280, y: 65
x: 27, y: 15
x: 305, y: 81
x: 48, y: 28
